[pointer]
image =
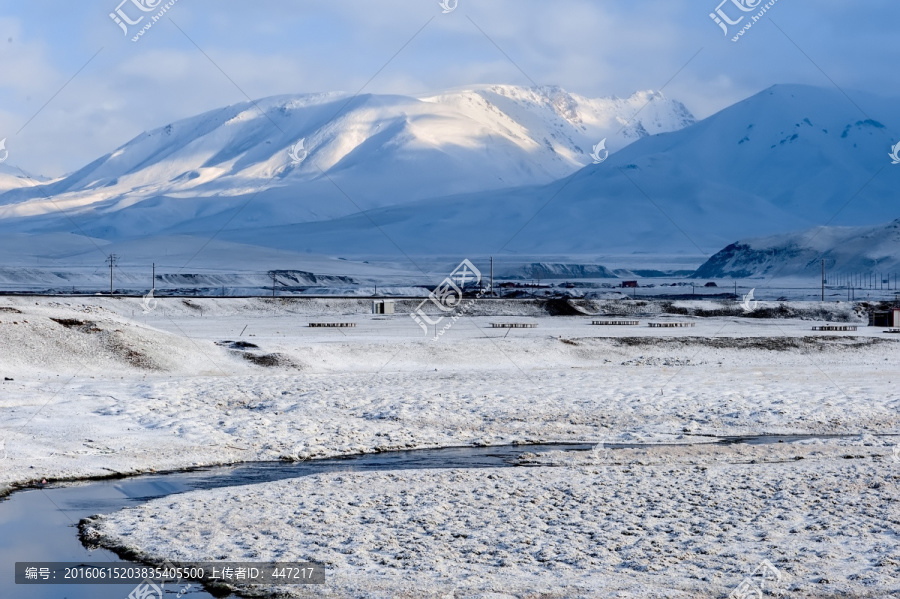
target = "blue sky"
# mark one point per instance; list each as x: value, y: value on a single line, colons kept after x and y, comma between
x: 267, y: 47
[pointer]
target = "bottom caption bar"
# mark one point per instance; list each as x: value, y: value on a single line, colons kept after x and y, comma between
x: 128, y: 573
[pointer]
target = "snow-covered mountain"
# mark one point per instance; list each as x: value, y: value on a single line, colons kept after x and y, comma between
x: 13, y: 178
x: 788, y: 158
x: 358, y: 152
x: 488, y: 171
x: 846, y: 250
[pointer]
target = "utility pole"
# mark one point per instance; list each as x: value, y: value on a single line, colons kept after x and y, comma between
x: 112, y: 260
x: 823, y: 280
x: 492, y: 276
x: 273, y: 284
x: 153, y: 283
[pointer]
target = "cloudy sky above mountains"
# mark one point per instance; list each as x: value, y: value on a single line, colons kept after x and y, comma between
x: 204, y: 54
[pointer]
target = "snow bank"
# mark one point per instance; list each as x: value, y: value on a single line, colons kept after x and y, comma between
x: 50, y: 338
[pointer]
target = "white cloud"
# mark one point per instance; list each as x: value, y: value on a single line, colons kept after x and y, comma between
x: 272, y: 47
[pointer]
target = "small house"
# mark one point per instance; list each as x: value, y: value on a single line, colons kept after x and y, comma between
x: 885, y: 318
x: 629, y: 284
x: 383, y: 307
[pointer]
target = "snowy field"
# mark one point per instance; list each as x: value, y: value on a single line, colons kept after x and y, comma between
x: 106, y: 389
x: 623, y: 523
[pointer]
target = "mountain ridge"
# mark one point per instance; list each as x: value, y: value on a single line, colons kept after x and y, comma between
x: 453, y: 142
x: 690, y: 191
x: 845, y: 250
x: 785, y: 159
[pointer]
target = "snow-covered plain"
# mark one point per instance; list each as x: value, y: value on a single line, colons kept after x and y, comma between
x: 110, y: 389
x: 658, y: 522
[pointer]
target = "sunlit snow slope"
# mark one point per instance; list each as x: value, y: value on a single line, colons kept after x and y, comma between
x: 358, y: 152
x: 789, y: 158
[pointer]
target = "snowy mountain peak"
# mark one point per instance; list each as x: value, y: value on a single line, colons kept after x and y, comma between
x: 481, y: 138
x: 845, y: 250
x: 621, y: 120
